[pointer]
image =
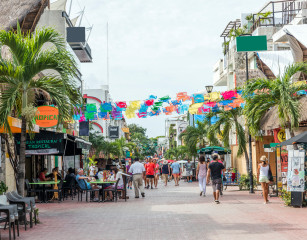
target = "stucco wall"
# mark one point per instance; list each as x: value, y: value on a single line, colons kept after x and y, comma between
x: 9, y: 178
x: 257, y: 152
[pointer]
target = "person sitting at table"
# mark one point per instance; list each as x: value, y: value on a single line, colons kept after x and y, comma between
x: 99, y: 174
x: 54, y: 171
x: 113, y: 176
x: 120, y: 185
x: 42, y: 175
x: 83, y: 183
x: 70, y: 178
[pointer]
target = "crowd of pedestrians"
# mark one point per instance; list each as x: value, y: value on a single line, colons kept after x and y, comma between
x: 146, y: 174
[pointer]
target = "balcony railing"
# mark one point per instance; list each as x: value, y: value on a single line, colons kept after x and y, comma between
x: 282, y: 13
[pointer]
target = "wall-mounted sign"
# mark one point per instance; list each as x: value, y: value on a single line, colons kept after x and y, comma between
x: 113, y: 132
x: 46, y: 116
x: 251, y: 43
x: 43, y: 143
x: 279, y: 135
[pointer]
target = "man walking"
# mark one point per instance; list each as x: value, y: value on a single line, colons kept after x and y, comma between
x: 215, y: 171
x: 176, y: 172
x: 150, y: 173
x: 138, y: 173
x: 188, y: 170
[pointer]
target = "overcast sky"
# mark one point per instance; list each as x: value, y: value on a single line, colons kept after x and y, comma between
x: 157, y: 47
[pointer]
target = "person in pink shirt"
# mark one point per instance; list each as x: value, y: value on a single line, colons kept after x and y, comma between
x: 157, y: 173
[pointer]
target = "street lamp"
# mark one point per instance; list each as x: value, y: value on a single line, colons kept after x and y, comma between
x: 209, y: 88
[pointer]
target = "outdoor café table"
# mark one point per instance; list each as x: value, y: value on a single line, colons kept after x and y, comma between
x: 102, y: 182
x: 44, y: 183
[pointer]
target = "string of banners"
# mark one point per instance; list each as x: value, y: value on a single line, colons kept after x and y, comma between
x: 153, y: 106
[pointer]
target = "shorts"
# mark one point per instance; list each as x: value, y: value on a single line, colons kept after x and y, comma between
x: 188, y: 173
x: 150, y: 176
x: 264, y: 179
x: 216, y: 184
x: 176, y: 174
x: 165, y: 176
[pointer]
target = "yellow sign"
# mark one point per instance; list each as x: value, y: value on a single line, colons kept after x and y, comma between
x: 125, y: 130
x: 281, y: 135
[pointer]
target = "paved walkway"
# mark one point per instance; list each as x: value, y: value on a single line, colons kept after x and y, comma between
x: 171, y: 213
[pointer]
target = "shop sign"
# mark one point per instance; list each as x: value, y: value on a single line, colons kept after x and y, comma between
x: 47, y: 116
x: 279, y: 135
x: 113, y: 132
x: 251, y: 43
x: 296, y: 173
x: 43, y: 143
x: 284, y: 161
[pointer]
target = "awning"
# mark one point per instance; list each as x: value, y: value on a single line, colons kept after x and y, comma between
x: 277, y: 61
x: 15, y: 125
x: 53, y: 143
x: 301, y: 138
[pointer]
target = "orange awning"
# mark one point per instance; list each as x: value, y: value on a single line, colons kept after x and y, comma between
x: 15, y: 125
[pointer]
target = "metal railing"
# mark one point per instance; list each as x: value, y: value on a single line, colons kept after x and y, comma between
x: 282, y: 13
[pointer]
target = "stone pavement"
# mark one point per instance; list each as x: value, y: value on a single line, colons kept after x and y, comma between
x: 171, y: 213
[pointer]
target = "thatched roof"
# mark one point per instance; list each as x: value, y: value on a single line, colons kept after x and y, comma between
x: 270, y: 119
x: 27, y: 12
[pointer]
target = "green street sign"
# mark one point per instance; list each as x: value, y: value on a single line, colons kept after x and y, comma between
x: 251, y: 43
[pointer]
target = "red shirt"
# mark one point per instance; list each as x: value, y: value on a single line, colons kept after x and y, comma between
x: 150, y: 168
x: 42, y: 176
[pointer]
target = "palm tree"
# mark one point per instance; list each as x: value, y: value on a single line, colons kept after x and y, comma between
x: 263, y: 94
x: 198, y: 135
x: 32, y: 69
x: 122, y: 145
x: 227, y: 120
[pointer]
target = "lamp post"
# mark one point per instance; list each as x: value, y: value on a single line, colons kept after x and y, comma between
x: 209, y: 89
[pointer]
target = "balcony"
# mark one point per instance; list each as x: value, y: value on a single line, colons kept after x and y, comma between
x: 276, y: 14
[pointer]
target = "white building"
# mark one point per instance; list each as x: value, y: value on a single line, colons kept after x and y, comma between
x: 99, y: 96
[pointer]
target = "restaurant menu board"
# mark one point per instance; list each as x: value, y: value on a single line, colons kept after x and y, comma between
x: 296, y: 171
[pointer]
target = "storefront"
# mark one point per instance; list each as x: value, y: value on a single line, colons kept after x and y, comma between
x: 51, y: 149
x: 296, y: 177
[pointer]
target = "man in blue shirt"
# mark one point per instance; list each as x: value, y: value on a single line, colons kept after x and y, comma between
x: 176, y: 172
x: 83, y: 183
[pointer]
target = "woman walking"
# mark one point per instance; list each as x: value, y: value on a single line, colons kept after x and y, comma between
x: 165, y: 172
x: 157, y: 173
x: 201, y: 174
x: 264, y: 179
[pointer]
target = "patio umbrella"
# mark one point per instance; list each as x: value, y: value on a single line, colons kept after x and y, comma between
x: 211, y: 149
x: 170, y: 161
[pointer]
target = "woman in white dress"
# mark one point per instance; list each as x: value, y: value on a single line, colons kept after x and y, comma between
x: 263, y: 173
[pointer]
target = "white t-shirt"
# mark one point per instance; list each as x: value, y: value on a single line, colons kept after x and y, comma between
x: 120, y: 177
x: 100, y: 175
x: 92, y: 169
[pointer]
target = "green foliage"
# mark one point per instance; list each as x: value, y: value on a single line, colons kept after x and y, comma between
x: 244, y: 183
x: 36, y: 213
x: 227, y: 120
x: 143, y: 146
x: 263, y: 94
x: 22, y: 78
x: 286, y: 197
x: 92, y: 160
x: 178, y: 153
x: 197, y: 137
x: 3, y: 188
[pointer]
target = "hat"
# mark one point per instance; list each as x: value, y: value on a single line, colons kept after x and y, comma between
x: 263, y: 158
